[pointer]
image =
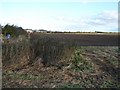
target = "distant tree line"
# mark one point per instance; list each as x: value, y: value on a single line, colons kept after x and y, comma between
x: 13, y: 30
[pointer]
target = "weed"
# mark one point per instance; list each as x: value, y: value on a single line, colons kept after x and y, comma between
x: 80, y: 64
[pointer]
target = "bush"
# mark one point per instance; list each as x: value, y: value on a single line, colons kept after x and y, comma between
x: 14, y: 31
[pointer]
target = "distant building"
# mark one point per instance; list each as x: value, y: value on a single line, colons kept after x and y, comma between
x: 29, y: 30
x: 42, y: 31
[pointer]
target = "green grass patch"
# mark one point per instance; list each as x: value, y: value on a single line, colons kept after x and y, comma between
x: 109, y: 84
x: 80, y: 64
x: 22, y: 76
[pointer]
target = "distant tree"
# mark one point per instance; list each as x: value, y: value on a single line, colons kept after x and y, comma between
x: 13, y: 30
x: 98, y: 32
x: 8, y: 29
x: 19, y: 31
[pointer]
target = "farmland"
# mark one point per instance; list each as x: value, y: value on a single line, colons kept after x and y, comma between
x: 89, y: 39
x: 59, y: 60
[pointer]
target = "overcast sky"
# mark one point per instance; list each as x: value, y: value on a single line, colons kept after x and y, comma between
x: 61, y: 15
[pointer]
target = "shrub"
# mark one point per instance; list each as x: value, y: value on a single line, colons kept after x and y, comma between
x: 14, y: 31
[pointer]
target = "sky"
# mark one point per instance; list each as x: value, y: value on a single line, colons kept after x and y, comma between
x: 61, y: 15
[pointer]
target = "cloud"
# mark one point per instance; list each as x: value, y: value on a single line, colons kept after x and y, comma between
x: 104, y: 21
x: 105, y: 18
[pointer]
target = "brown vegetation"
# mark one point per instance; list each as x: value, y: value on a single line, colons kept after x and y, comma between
x: 61, y: 60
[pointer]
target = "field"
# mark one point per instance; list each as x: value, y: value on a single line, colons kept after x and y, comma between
x: 88, y: 39
x: 61, y: 61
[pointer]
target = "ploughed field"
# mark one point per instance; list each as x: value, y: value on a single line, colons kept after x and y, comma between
x: 61, y: 61
x: 101, y: 39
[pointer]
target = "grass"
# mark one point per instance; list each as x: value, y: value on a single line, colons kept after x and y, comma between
x: 80, y: 64
x: 114, y: 62
x: 71, y: 86
x: 50, y: 47
x: 22, y: 76
x: 109, y: 84
x: 90, y: 83
x: 53, y: 50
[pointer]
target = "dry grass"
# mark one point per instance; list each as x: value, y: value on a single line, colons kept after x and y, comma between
x: 54, y: 61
